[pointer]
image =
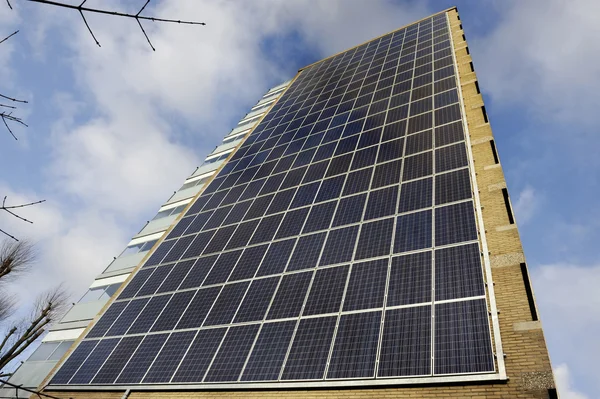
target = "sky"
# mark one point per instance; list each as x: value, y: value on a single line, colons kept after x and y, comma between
x: 114, y: 130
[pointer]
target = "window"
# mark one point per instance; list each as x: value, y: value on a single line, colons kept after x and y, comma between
x: 50, y: 351
x: 93, y: 294
x: 139, y: 247
x: 215, y: 159
x: 235, y: 138
x: 174, y: 211
x: 99, y: 293
x: 188, y: 185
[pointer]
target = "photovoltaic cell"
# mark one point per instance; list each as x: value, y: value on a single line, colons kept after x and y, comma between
x: 308, y: 355
x: 257, y: 300
x: 148, y: 316
x: 406, y: 342
x: 350, y: 210
x: 173, y: 311
x: 375, y: 239
x: 458, y: 272
x: 339, y: 246
x: 228, y: 362
x: 248, y: 263
x: 413, y: 231
x: 90, y: 367
x: 222, y: 268
x: 276, y: 258
x: 326, y: 291
x: 290, y: 296
x: 366, y: 287
x: 226, y: 304
x: 168, y: 359
x: 355, y: 348
x: 198, y: 272
x: 199, y: 356
x: 136, y: 283
x: 116, y: 361
x: 107, y: 319
x: 155, y: 280
x: 410, y: 279
x: 122, y: 324
x: 70, y: 366
x: 142, y: 359
x: 306, y: 253
x: 455, y: 223
x: 381, y: 203
x: 198, y: 308
x: 266, y: 359
x: 452, y: 186
x: 174, y: 279
x: 462, y: 338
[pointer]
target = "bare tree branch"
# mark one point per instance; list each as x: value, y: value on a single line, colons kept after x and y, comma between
x: 16, y: 258
x: 9, y: 36
x: 9, y: 210
x: 48, y: 307
x: 80, y: 8
x: 13, y: 99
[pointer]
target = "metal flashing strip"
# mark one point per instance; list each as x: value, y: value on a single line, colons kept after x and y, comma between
x: 307, y: 384
x: 486, y: 255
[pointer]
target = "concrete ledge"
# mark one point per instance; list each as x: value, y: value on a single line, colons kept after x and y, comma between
x: 497, y: 186
x: 507, y: 227
x: 482, y: 140
x: 494, y: 166
x: 504, y: 260
x: 527, y: 326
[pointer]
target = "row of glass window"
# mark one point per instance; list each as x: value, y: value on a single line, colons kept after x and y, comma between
x: 99, y: 293
x: 50, y: 351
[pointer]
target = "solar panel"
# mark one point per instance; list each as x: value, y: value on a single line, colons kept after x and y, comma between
x: 338, y: 242
x: 355, y: 347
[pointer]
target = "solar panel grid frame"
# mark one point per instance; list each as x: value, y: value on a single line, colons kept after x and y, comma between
x: 360, y: 224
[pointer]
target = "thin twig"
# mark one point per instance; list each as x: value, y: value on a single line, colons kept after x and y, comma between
x: 13, y: 99
x: 141, y: 9
x: 8, y: 128
x: 137, y: 16
x: 9, y: 36
x: 144, y: 32
x: 90, y: 29
x: 7, y: 106
x: 11, y: 236
x: 19, y: 206
x: 8, y: 208
x: 9, y: 6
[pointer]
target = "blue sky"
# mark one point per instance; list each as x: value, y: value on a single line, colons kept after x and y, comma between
x: 115, y: 130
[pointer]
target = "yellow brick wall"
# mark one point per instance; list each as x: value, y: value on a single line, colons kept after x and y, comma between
x: 527, y: 362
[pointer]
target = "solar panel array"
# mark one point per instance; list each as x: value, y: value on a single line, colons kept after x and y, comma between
x: 339, y: 241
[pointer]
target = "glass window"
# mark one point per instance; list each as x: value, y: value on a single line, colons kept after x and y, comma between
x: 147, y: 245
x: 188, y: 185
x: 43, y: 351
x: 165, y: 213
x: 109, y: 291
x: 177, y: 210
x: 61, y: 350
x: 132, y: 249
x: 93, y: 294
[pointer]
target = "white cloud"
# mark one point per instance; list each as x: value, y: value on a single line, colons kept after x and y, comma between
x: 563, y: 382
x: 526, y: 204
x: 568, y: 298
x: 544, y: 56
